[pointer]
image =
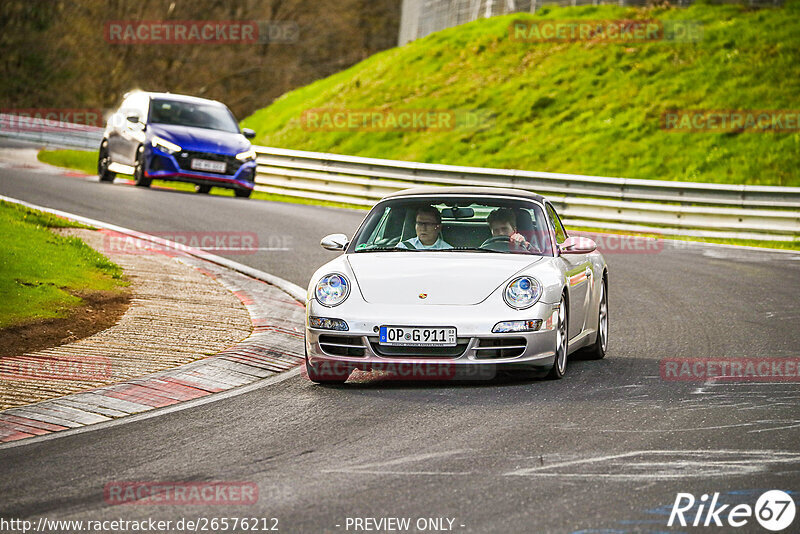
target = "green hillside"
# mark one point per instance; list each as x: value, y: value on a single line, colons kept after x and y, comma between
x: 586, y: 107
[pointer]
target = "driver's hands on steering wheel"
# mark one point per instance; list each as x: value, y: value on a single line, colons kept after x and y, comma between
x: 517, y: 239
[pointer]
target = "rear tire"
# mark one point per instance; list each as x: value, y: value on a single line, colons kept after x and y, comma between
x: 242, y: 193
x: 562, y: 342
x: 139, y: 170
x: 103, y: 161
x: 598, y: 350
x: 203, y: 189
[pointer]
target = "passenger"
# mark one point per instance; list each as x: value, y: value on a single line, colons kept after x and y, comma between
x: 503, y: 222
x: 428, y: 226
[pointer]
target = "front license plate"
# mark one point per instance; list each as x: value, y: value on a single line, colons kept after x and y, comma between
x: 208, y: 165
x: 413, y: 336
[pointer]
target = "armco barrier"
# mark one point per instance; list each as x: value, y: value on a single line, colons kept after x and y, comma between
x: 636, y: 205
x: 674, y: 208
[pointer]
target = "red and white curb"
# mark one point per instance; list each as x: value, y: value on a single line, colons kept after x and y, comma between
x: 276, y: 308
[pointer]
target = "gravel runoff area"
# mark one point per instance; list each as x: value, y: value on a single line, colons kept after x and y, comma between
x: 193, y: 328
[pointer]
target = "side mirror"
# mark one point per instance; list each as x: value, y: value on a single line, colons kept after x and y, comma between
x: 133, y: 119
x: 334, y: 242
x: 248, y: 133
x: 578, y: 245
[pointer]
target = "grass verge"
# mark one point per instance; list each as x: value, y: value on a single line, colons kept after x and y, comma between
x: 591, y: 107
x: 41, y: 272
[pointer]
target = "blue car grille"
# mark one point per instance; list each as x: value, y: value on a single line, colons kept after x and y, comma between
x: 185, y: 160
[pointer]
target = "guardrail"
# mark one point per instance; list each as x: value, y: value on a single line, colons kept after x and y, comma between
x: 663, y: 207
x: 672, y: 208
x: 51, y: 133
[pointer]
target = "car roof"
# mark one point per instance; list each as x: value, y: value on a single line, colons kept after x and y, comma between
x: 467, y: 191
x: 178, y: 98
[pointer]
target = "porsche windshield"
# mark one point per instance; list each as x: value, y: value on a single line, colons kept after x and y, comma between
x: 460, y: 224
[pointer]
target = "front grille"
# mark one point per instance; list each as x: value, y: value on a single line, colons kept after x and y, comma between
x: 500, y: 347
x: 185, y: 161
x: 342, y: 345
x: 419, y: 352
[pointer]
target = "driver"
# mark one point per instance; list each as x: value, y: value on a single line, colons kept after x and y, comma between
x: 503, y: 222
x: 428, y: 225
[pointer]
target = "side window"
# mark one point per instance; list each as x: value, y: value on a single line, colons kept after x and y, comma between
x: 561, y: 233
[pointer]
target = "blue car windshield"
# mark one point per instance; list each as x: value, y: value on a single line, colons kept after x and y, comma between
x: 198, y: 115
x: 469, y: 224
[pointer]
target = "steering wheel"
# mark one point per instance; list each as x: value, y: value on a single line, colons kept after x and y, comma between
x: 493, y: 242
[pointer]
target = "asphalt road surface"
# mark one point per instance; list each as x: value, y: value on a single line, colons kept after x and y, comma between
x: 607, y: 449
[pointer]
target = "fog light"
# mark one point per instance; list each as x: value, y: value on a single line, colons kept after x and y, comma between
x: 325, y: 323
x: 530, y: 325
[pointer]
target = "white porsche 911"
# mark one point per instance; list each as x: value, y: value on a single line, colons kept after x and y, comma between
x: 441, y: 283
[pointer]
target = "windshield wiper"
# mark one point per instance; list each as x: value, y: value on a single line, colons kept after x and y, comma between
x: 476, y: 249
x: 383, y: 249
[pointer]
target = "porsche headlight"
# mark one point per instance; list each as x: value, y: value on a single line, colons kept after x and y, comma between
x: 332, y: 289
x: 522, y: 292
x: 247, y: 155
x: 167, y: 146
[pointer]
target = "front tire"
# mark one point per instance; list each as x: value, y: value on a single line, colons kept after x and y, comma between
x: 139, y: 170
x: 562, y: 342
x: 243, y: 193
x: 103, y: 161
x: 203, y: 189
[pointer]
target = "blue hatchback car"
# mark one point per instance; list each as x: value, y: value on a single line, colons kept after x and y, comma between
x: 180, y: 138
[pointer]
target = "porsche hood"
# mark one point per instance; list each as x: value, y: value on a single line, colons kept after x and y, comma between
x: 449, y: 278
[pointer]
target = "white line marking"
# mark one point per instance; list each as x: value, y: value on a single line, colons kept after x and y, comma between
x: 364, y: 468
x: 681, y: 429
x: 596, y: 459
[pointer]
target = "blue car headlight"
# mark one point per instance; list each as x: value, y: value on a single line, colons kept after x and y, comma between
x: 167, y: 146
x: 247, y: 155
x: 332, y: 289
x: 522, y: 292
